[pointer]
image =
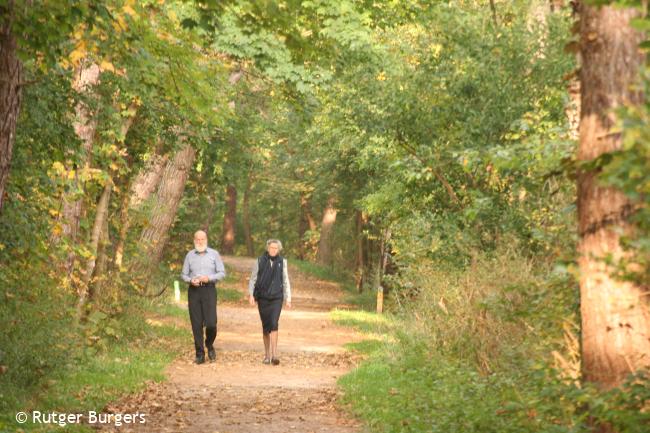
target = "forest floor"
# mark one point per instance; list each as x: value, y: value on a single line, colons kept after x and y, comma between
x: 238, y: 393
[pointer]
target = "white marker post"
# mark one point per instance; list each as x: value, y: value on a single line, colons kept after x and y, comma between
x: 177, y: 291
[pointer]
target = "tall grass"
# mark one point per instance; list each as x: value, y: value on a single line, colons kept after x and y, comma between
x: 500, y: 311
x: 472, y: 350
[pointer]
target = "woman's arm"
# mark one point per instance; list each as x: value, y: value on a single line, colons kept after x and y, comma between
x: 251, y: 283
x: 286, y: 283
x: 253, y: 278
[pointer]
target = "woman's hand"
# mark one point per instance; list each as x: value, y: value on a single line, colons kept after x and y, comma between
x: 251, y: 299
x: 289, y: 304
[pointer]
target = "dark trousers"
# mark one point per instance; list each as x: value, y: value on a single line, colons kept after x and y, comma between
x: 202, y: 303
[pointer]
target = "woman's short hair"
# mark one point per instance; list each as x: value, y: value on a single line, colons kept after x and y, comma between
x: 274, y: 241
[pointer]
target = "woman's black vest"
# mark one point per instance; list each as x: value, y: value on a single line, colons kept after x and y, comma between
x: 269, y: 283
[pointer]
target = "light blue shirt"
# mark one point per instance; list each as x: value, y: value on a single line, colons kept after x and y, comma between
x: 208, y: 263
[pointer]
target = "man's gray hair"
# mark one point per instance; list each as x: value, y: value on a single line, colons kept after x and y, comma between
x: 274, y: 241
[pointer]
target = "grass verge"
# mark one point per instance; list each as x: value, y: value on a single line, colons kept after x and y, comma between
x: 89, y: 381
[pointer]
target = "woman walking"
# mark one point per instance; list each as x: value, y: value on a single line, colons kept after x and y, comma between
x: 269, y: 287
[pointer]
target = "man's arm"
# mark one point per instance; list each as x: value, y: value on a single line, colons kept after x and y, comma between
x: 219, y: 271
x: 185, y: 273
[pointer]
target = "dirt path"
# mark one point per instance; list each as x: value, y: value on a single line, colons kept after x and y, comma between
x: 240, y: 394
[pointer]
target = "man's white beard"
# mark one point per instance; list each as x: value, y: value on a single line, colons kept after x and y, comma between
x: 200, y: 248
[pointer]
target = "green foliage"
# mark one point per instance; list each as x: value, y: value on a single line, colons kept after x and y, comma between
x: 473, y: 354
x: 445, y: 131
x: 321, y: 272
x: 90, y: 382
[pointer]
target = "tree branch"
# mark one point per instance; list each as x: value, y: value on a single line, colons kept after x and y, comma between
x: 494, y: 13
x: 412, y: 151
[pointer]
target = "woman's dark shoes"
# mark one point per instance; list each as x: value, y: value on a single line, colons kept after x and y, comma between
x: 200, y: 359
x: 212, y: 355
x: 266, y: 361
x: 275, y: 361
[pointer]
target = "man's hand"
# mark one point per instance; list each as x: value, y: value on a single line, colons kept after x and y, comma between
x: 204, y: 279
x: 251, y: 299
x: 195, y: 281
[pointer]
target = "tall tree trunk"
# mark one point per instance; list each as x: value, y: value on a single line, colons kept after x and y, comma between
x: 85, y: 126
x: 250, y: 250
x: 99, y: 231
x: 144, y: 184
x: 229, y: 219
x: 102, y: 261
x: 11, y: 77
x: 615, y: 316
x: 101, y: 216
x: 360, y: 265
x: 325, y: 244
x: 307, y: 222
x: 168, y: 197
x: 493, y: 8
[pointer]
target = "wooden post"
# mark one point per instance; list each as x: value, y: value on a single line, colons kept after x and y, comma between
x: 383, y: 261
x: 380, y: 300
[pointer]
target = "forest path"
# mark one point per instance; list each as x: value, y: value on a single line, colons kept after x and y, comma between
x: 238, y: 393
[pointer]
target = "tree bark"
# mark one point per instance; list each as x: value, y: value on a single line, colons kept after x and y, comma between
x: 556, y: 5
x: 307, y: 222
x: 101, y: 217
x: 359, y: 273
x: 102, y: 261
x: 85, y: 126
x: 99, y: 232
x: 141, y: 189
x: 250, y: 250
x: 615, y: 317
x: 493, y: 9
x: 324, y: 255
x: 229, y: 219
x: 11, y: 77
x: 168, y: 197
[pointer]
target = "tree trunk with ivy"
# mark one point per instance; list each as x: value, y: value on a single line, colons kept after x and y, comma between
x: 166, y: 201
x: 615, y: 315
x: 11, y: 77
x: 141, y: 189
x: 85, y: 125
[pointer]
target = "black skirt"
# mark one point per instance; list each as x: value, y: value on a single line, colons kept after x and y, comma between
x: 269, y: 313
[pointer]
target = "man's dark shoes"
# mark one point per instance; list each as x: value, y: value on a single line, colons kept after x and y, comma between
x: 275, y: 361
x: 200, y: 359
x: 212, y: 354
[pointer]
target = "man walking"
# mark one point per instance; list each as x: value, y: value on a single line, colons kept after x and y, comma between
x: 202, y: 269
